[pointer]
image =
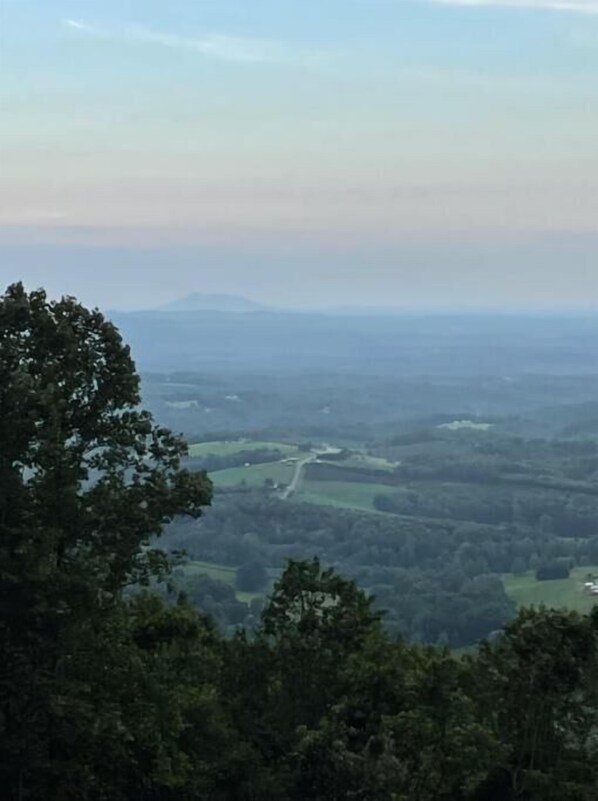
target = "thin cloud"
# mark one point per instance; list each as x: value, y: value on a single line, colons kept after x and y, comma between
x: 216, y: 46
x: 76, y: 24
x: 570, y: 6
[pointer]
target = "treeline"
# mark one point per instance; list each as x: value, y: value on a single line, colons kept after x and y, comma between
x: 432, y: 583
x: 147, y: 701
x: 424, y: 608
x: 321, y: 471
x: 487, y: 457
x: 568, y: 515
x: 212, y: 462
x: 436, y: 577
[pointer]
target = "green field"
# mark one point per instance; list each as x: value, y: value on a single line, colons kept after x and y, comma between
x: 255, y: 475
x: 342, y: 494
x: 366, y: 461
x: 223, y: 573
x: 568, y: 593
x: 230, y: 447
x: 458, y: 425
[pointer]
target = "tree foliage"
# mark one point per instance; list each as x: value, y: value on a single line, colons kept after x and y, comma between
x: 111, y: 696
x: 87, y: 480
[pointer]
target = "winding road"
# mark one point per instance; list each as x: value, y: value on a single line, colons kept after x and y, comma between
x: 290, y: 489
x: 311, y: 457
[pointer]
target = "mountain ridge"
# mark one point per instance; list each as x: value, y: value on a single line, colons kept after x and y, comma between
x: 222, y: 302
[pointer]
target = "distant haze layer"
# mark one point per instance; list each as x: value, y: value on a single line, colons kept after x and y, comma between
x: 393, y: 345
x: 553, y: 270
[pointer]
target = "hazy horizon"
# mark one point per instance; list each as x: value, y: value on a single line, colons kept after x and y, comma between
x: 539, y: 273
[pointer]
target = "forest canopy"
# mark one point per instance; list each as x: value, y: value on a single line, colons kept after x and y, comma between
x: 109, y: 694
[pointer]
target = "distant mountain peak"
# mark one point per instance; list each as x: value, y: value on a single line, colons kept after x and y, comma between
x: 199, y: 301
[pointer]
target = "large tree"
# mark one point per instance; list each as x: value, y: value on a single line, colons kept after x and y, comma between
x: 87, y: 480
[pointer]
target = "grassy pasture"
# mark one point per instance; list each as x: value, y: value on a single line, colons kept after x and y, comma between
x: 168, y: 387
x: 255, y: 475
x: 230, y: 447
x: 223, y: 573
x: 342, y: 494
x: 567, y: 593
x: 366, y: 461
x: 458, y: 425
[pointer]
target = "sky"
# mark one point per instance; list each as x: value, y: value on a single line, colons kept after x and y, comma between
x: 301, y: 152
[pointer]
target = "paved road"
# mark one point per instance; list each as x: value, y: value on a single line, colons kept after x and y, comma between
x: 311, y: 457
x: 288, y: 491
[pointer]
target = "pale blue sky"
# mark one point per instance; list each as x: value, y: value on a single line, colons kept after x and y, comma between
x: 301, y: 151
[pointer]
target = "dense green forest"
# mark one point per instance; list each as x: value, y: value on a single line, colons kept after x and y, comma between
x: 445, y: 495
x: 431, y: 523
x: 112, y: 690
